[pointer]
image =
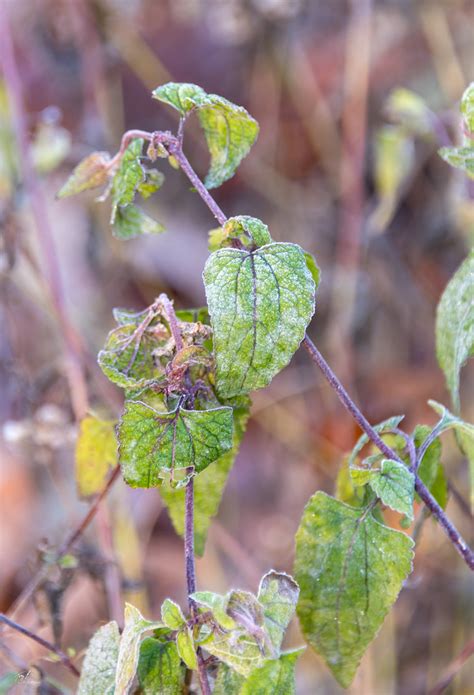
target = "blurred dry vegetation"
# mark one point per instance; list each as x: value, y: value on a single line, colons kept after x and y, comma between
x: 316, y: 75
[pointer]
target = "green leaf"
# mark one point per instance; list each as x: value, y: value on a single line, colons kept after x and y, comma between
x: 247, y: 646
x: 459, y: 157
x: 260, y: 303
x: 184, y: 97
x: 467, y: 107
x: 278, y: 593
x: 92, y: 172
x: 160, y: 671
x: 228, y: 681
x: 217, y: 604
x: 96, y: 453
x: 186, y: 648
x: 172, y: 615
x: 430, y: 470
x: 131, y: 222
x: 409, y: 110
x: 153, y: 182
x: 392, y: 482
x: 127, y: 358
x: 350, y: 569
x: 135, y: 626
x: 250, y: 231
x: 128, y: 177
x: 346, y: 490
x: 276, y: 676
x: 313, y: 268
x: 154, y: 444
x: 208, y: 485
x: 464, y: 434
x: 386, y: 426
x: 100, y: 662
x: 8, y: 681
x: 455, y: 325
x: 229, y: 130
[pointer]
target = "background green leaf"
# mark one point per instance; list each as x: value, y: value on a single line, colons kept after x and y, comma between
x: 96, y: 453
x: 455, y: 325
x: 131, y: 222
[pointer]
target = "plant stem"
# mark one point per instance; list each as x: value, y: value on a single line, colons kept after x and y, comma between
x: 448, y: 527
x: 44, y: 643
x: 191, y: 574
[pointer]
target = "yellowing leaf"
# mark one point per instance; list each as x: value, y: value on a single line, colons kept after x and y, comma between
x: 96, y: 453
x: 92, y: 172
x: 135, y: 626
x: 229, y: 129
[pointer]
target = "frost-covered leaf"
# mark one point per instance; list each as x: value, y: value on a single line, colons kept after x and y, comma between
x: 248, y: 645
x: 154, y: 445
x: 392, y: 482
x: 467, y: 107
x: 276, y: 676
x: 409, y: 110
x: 128, y: 177
x: 100, y: 663
x: 350, y: 569
x: 182, y: 96
x: 459, y: 157
x: 228, y: 681
x: 250, y: 231
x: 172, y: 615
x: 217, y: 605
x: 278, y: 593
x: 92, y: 172
x: 127, y: 357
x: 455, y: 325
x: 186, y: 648
x: 131, y: 222
x: 229, y: 129
x: 260, y: 303
x: 386, y: 426
x: 135, y: 626
x: 96, y: 453
x: 208, y: 485
x: 160, y: 671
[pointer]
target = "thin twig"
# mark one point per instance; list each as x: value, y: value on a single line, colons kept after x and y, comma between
x: 453, y: 669
x: 448, y: 527
x: 44, y: 643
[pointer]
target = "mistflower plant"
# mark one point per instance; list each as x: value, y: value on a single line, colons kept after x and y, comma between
x: 188, y: 375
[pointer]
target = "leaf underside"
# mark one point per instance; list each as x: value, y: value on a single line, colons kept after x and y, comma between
x: 100, y: 662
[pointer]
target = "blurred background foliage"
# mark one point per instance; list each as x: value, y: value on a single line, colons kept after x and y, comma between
x: 336, y: 169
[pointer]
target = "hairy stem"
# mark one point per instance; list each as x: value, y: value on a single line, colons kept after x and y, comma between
x: 44, y: 643
x: 191, y: 574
